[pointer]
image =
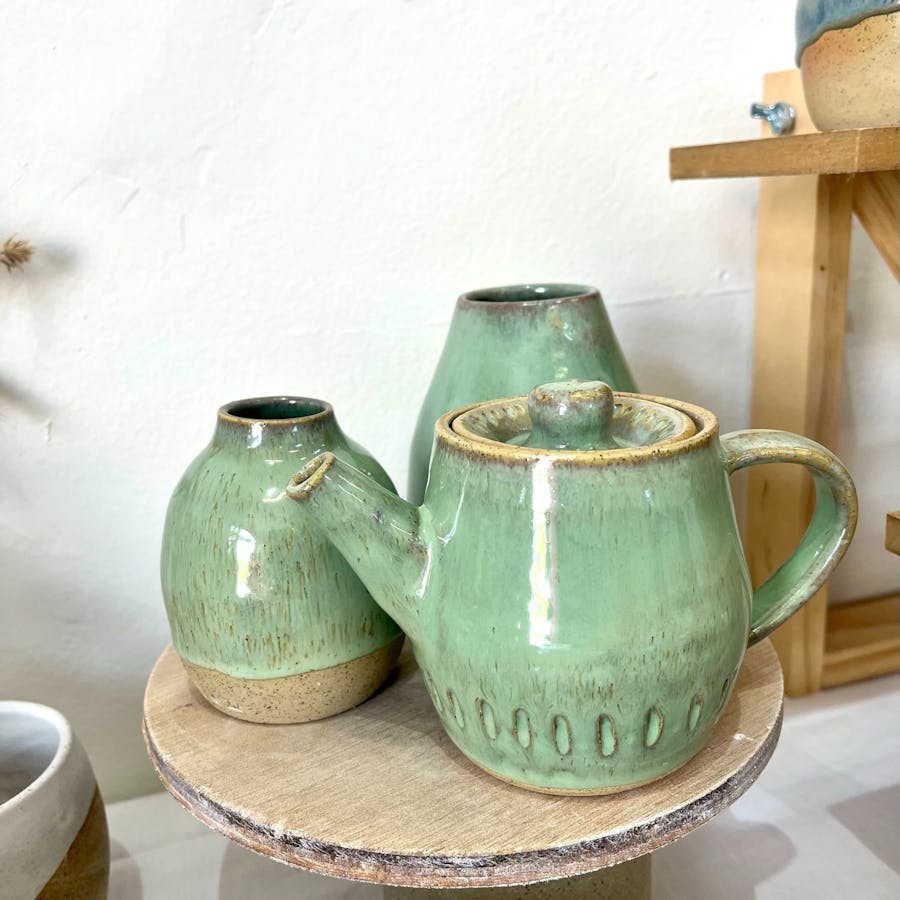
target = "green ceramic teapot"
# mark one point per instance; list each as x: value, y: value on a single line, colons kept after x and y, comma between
x: 574, y: 586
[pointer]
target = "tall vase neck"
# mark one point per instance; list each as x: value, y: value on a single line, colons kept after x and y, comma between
x: 275, y: 425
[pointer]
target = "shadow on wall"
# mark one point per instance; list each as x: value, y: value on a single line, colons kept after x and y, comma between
x: 54, y: 649
x: 22, y: 399
x: 697, y: 349
x: 875, y: 820
x: 38, y: 281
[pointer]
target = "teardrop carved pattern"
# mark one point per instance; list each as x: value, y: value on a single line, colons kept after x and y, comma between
x: 435, y: 696
x: 522, y: 728
x: 653, y: 727
x: 694, y: 712
x: 456, y: 709
x: 488, y: 722
x: 606, y: 735
x: 562, y: 735
x: 724, y: 696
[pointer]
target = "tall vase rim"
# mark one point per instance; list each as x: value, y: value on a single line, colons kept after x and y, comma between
x: 284, y: 412
x: 529, y: 295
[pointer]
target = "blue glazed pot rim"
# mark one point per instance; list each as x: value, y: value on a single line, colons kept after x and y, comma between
x: 815, y: 17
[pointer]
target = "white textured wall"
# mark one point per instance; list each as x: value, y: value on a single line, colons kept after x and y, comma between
x: 260, y: 197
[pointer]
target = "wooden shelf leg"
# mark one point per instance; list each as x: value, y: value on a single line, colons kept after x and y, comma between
x: 892, y: 532
x: 876, y: 202
x: 626, y: 881
x: 801, y: 296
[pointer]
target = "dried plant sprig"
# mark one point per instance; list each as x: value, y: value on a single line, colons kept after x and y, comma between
x: 15, y: 253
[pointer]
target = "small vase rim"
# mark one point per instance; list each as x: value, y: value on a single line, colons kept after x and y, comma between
x: 320, y: 411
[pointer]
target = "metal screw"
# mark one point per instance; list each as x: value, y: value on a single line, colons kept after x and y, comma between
x: 780, y: 116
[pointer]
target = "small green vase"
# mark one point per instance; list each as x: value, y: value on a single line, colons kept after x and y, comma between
x: 271, y: 623
x: 503, y: 341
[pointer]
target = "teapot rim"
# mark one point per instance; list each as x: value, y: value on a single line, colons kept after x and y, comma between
x: 487, y: 450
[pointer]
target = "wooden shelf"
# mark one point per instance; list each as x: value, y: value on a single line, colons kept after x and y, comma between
x: 862, y: 640
x: 892, y: 532
x: 802, y: 272
x: 820, y: 153
x: 381, y: 794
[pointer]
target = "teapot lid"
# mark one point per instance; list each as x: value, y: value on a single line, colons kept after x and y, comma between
x: 575, y: 415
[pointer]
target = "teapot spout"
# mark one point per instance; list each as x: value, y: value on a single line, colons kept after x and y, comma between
x: 376, y: 531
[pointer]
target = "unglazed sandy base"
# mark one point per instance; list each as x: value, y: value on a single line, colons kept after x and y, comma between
x: 297, y: 698
x: 626, y: 881
x: 851, y: 76
x: 84, y: 872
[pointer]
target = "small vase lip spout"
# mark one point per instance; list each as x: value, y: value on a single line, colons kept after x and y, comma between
x: 284, y: 411
x: 525, y: 295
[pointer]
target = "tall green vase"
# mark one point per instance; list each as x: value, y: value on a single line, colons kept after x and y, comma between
x: 504, y: 341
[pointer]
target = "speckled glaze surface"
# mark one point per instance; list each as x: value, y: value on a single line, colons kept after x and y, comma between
x: 54, y: 841
x: 503, y: 341
x: 815, y: 17
x: 851, y: 75
x: 579, y: 616
x: 256, y: 597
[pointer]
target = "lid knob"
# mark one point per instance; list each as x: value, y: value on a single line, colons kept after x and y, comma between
x: 572, y: 415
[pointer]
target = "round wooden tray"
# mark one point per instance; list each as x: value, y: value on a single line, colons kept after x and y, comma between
x: 381, y: 794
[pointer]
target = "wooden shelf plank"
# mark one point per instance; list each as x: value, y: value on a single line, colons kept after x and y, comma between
x: 892, y: 532
x: 862, y: 640
x: 821, y: 153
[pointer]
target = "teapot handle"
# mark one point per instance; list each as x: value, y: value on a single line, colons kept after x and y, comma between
x: 829, y: 532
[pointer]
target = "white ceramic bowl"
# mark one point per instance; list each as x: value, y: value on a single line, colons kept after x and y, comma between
x: 53, y: 835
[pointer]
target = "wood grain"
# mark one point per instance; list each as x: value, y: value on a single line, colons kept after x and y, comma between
x: 803, y: 248
x: 803, y: 256
x: 381, y: 794
x: 876, y: 202
x: 862, y: 640
x: 892, y: 532
x: 822, y: 153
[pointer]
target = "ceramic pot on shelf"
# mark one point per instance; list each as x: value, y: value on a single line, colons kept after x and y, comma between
x: 54, y: 842
x: 271, y: 623
x: 503, y: 341
x: 848, y: 52
x: 574, y: 586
